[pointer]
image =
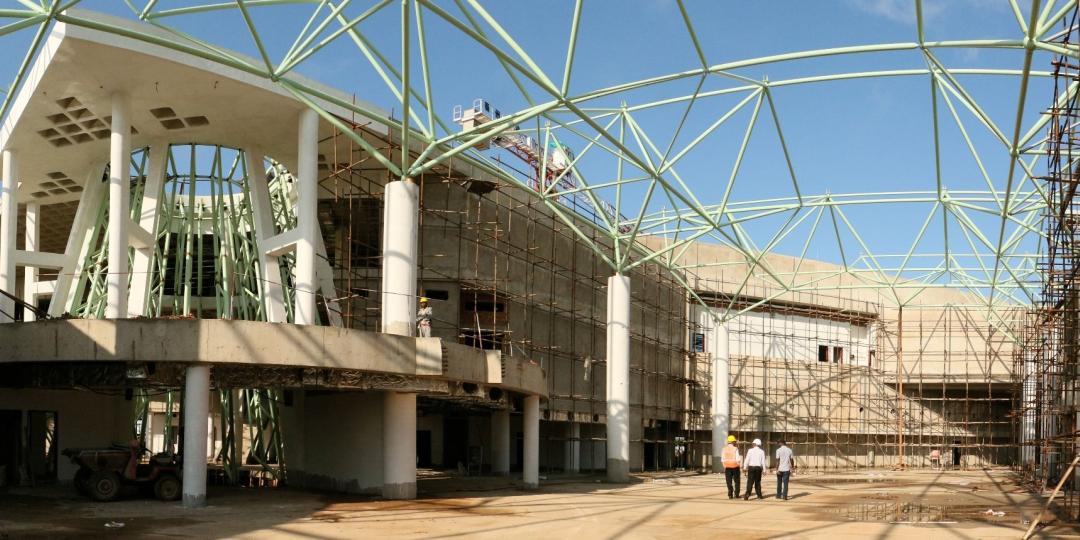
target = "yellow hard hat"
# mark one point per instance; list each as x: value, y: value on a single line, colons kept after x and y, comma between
x: 730, y: 438
x: 423, y: 299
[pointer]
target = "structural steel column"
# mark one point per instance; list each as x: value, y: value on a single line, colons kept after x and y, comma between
x: 9, y: 212
x: 572, y: 459
x: 400, y: 231
x: 306, y: 222
x: 31, y: 242
x: 531, y: 427
x: 399, y: 445
x: 721, y: 395
x: 196, y: 413
x: 618, y: 379
x: 500, y: 442
x: 119, y: 208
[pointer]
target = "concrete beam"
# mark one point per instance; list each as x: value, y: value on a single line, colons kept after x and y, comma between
x: 40, y: 259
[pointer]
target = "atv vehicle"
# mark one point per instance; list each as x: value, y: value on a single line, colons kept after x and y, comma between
x: 103, y: 472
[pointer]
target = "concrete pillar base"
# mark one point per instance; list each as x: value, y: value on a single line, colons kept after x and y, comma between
x: 717, y: 464
x: 399, y: 491
x: 618, y: 471
x: 399, y: 445
x: 194, y: 501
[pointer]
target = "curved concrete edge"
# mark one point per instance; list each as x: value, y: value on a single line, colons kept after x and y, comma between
x: 266, y: 344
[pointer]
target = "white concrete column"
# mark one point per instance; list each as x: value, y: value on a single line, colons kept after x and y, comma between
x: 307, y: 176
x: 572, y: 459
x: 262, y: 219
x: 721, y: 395
x: 500, y: 442
x: 196, y: 419
x: 148, y: 214
x: 400, y: 230
x: 399, y: 445
x: 531, y: 427
x: 618, y: 379
x: 31, y: 242
x: 119, y: 207
x: 9, y: 213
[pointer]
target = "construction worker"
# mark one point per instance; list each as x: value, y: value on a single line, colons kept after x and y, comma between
x: 785, y: 465
x: 935, y: 459
x: 755, y: 465
x: 423, y: 318
x: 732, y: 461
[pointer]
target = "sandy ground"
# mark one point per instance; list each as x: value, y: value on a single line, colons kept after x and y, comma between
x: 877, y: 504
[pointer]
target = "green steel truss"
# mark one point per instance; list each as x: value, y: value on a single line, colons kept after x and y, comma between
x: 996, y: 263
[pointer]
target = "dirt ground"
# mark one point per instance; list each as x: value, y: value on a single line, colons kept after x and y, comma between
x: 876, y: 504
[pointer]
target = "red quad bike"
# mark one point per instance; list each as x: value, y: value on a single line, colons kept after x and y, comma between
x: 103, y: 472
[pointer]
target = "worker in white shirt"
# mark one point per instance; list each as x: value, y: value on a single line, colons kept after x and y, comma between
x: 785, y: 465
x: 732, y: 461
x: 755, y: 465
x: 423, y: 318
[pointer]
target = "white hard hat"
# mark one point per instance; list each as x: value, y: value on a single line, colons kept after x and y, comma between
x: 757, y: 442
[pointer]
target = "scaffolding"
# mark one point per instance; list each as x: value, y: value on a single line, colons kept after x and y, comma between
x: 1046, y: 366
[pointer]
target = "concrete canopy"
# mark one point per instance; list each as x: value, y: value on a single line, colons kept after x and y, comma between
x: 59, y: 121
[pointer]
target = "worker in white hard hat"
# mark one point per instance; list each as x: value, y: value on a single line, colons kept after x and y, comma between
x: 423, y: 318
x: 755, y: 464
x: 732, y: 461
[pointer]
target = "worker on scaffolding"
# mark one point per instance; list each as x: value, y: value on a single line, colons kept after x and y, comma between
x: 755, y: 466
x: 732, y: 462
x: 423, y: 318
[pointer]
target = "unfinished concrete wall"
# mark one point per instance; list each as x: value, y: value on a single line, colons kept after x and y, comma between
x: 342, y: 442
x: 84, y: 419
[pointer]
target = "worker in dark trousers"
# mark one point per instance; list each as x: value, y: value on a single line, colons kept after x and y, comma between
x: 732, y: 460
x: 755, y: 465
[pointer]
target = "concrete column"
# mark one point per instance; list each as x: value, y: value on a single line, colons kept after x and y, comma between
x: 400, y: 223
x: 307, y: 208
x: 399, y: 445
x: 262, y: 217
x: 119, y: 208
x: 531, y: 427
x: 148, y: 214
x: 196, y: 414
x: 9, y: 212
x: 572, y: 459
x: 721, y: 395
x: 500, y: 443
x: 31, y: 242
x: 618, y: 379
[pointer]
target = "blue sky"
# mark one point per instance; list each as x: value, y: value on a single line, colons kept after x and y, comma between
x: 869, y: 135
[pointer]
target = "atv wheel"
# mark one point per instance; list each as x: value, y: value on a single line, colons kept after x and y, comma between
x: 103, y: 486
x: 167, y: 488
x: 80, y: 481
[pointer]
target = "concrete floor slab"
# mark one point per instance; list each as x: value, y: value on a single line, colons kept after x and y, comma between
x: 878, y: 504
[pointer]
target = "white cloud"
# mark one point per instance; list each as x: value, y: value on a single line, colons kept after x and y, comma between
x: 902, y: 11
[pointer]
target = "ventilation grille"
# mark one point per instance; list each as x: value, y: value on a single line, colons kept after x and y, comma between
x: 75, y: 124
x: 58, y: 183
x: 170, y: 120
